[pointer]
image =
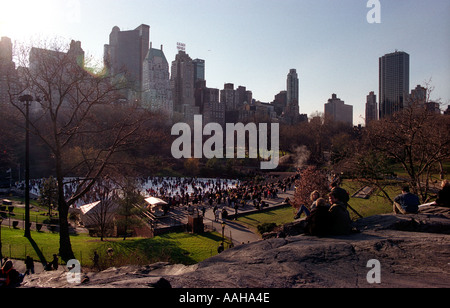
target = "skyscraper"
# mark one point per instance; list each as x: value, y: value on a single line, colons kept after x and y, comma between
x: 182, y: 83
x: 292, y: 87
x: 371, y: 108
x: 199, y: 69
x: 156, y: 90
x: 126, y: 52
x: 227, y: 97
x: 338, y: 111
x: 292, y: 109
x: 393, y: 82
x: 7, y: 70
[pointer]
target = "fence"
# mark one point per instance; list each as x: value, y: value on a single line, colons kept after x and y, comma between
x: 21, y: 251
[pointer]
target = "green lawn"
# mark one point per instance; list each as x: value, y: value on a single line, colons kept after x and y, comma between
x: 176, y: 248
x: 376, y: 204
x: 38, y: 213
x: 278, y: 216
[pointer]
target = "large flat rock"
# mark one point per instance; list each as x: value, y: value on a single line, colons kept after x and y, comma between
x: 412, y: 250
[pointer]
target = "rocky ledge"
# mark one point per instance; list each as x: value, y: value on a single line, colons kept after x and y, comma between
x: 412, y: 251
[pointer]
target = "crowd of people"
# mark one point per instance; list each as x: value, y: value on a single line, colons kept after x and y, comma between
x: 322, y: 217
x: 215, y: 193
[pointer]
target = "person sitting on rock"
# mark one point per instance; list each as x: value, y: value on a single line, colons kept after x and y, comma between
x: 317, y: 223
x: 10, y: 277
x: 339, y: 217
x: 303, y: 209
x: 406, y: 202
x: 443, y: 196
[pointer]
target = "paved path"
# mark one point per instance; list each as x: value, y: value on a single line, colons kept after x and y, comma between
x: 238, y: 232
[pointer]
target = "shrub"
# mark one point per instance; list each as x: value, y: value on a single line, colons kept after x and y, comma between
x: 266, y: 227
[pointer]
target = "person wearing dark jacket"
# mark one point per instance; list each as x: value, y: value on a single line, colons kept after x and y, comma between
x: 406, y: 202
x: 318, y: 223
x: 9, y: 277
x: 443, y: 196
x: 339, y: 218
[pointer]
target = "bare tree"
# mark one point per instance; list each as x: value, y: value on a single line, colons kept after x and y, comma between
x: 416, y: 138
x: 83, y: 118
x: 101, y: 217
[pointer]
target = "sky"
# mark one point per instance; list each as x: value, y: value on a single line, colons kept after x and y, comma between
x: 254, y: 43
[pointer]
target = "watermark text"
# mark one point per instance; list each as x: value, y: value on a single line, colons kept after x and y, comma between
x: 214, y: 146
x: 374, y: 15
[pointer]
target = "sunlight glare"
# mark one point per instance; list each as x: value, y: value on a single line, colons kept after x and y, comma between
x: 23, y: 19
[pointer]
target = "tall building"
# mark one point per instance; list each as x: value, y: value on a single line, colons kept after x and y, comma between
x: 371, y: 108
x: 156, y: 90
x: 213, y: 109
x: 125, y: 54
x: 182, y: 83
x: 338, y: 111
x: 292, y: 87
x: 7, y: 70
x: 280, y: 102
x: 43, y: 62
x: 40, y: 58
x: 292, y: 109
x: 199, y: 69
x: 393, y: 82
x: 418, y: 96
x: 241, y: 97
x: 227, y: 97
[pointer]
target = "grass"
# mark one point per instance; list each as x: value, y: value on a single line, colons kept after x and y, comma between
x: 278, y: 216
x: 38, y: 214
x: 177, y: 248
x: 376, y: 204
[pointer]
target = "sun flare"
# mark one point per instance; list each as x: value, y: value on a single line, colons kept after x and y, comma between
x: 23, y: 19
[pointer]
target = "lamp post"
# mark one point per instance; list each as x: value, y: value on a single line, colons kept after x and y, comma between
x: 27, y: 99
x: 1, y: 254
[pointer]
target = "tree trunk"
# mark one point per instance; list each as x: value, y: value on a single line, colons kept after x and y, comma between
x: 65, y: 247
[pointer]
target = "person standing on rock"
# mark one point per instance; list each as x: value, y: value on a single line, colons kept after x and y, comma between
x: 29, y: 263
x: 95, y: 260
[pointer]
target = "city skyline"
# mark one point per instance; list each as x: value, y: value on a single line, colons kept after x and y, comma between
x: 254, y: 43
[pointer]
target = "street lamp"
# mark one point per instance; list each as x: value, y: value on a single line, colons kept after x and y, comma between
x: 27, y: 99
x: 1, y: 254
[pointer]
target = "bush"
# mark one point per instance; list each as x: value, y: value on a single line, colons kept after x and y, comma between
x: 266, y: 227
x: 311, y: 179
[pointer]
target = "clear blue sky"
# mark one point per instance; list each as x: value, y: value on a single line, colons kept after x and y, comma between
x: 254, y: 43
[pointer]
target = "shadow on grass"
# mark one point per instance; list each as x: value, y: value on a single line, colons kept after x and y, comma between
x: 37, y: 250
x: 142, y: 252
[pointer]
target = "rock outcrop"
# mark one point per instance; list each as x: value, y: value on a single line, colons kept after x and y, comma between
x: 412, y: 250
